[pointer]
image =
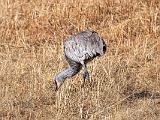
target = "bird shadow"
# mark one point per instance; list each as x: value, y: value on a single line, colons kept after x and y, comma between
x: 144, y: 94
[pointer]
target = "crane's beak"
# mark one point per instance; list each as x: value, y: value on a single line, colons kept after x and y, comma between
x: 56, y: 89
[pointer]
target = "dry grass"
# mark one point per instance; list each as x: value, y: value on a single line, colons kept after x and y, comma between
x: 125, y: 81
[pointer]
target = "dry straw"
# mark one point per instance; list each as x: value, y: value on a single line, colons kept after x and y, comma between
x: 125, y: 81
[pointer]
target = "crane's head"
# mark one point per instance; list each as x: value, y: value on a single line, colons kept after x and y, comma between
x: 58, y: 81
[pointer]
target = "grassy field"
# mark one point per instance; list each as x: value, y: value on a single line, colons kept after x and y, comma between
x: 125, y: 81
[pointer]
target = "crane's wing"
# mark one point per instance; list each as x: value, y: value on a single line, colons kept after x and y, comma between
x: 83, y: 45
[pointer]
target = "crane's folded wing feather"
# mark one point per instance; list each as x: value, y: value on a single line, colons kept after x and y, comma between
x: 83, y: 46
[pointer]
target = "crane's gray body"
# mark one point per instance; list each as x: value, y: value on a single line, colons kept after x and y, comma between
x: 83, y: 46
x: 78, y: 50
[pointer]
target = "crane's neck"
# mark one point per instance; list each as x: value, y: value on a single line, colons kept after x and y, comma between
x: 69, y: 72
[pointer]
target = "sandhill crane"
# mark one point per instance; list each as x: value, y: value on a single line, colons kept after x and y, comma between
x: 79, y: 49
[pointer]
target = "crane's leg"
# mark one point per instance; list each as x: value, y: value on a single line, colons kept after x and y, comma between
x: 85, y: 74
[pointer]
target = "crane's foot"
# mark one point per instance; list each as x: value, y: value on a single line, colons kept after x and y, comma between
x: 90, y: 85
